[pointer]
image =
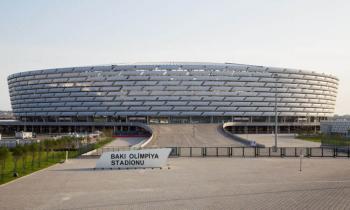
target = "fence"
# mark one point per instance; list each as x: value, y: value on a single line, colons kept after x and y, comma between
x: 245, y: 151
x: 259, y: 152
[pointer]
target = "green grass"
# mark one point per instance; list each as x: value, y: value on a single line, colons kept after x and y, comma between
x: 103, y: 142
x: 336, y: 141
x: 311, y: 138
x: 53, y: 158
x: 25, y: 167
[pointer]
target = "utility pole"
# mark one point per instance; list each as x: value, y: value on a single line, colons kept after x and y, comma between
x: 276, y: 113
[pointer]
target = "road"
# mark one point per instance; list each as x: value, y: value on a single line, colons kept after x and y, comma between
x: 125, y: 141
x: 190, y: 135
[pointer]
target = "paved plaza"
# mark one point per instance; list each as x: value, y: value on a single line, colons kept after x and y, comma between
x: 284, y: 140
x: 190, y: 183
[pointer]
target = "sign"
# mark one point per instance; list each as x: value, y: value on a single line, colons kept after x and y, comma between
x: 146, y: 158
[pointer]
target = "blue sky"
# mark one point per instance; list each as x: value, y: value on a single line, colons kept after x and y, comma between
x: 308, y: 34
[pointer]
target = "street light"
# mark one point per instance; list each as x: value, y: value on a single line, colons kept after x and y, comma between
x: 276, y: 114
x: 193, y: 131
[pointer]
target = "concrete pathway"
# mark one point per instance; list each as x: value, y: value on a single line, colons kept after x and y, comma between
x: 284, y: 140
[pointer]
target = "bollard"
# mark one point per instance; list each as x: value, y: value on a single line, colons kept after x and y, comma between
x: 301, y: 158
x: 300, y: 165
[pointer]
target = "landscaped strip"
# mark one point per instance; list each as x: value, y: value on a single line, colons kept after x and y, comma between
x: 26, y: 159
x: 327, y: 140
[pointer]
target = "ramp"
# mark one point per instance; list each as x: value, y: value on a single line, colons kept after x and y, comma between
x: 190, y: 135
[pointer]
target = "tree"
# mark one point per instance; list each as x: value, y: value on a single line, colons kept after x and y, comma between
x: 4, y: 153
x: 17, y: 154
x: 70, y: 144
x: 47, y: 145
x: 33, y: 149
x: 59, y: 145
x: 107, y: 132
x: 53, y: 146
x: 25, y: 150
x: 88, y: 140
x: 40, y: 150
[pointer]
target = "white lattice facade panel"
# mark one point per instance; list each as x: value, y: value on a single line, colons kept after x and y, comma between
x: 178, y: 89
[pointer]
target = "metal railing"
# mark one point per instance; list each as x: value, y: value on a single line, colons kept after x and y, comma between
x: 309, y: 152
x: 259, y: 152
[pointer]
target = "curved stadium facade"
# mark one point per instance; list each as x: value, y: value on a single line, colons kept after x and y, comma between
x: 173, y: 93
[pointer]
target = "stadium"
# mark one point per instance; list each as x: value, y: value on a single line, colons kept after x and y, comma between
x: 242, y: 97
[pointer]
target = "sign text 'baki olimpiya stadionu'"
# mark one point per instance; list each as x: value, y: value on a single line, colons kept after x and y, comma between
x: 95, y: 97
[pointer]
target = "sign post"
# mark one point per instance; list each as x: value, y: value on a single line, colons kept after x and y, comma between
x: 146, y: 158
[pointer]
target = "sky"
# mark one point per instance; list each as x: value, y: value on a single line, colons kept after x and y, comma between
x: 302, y: 34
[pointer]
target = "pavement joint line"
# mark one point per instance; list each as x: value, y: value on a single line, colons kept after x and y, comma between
x: 296, y: 182
x: 207, y: 197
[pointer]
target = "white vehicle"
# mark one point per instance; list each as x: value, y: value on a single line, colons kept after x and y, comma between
x: 24, y: 135
x: 253, y: 143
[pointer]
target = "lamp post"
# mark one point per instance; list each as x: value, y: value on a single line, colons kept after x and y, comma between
x: 276, y: 113
x: 193, y: 131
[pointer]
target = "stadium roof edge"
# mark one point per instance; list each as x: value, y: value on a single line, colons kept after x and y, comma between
x: 174, y: 64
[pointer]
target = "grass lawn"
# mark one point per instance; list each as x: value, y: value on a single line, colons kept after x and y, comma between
x: 24, y: 166
x: 311, y: 138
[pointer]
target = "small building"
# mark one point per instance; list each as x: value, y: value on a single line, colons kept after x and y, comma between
x: 24, y: 135
x: 338, y: 127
